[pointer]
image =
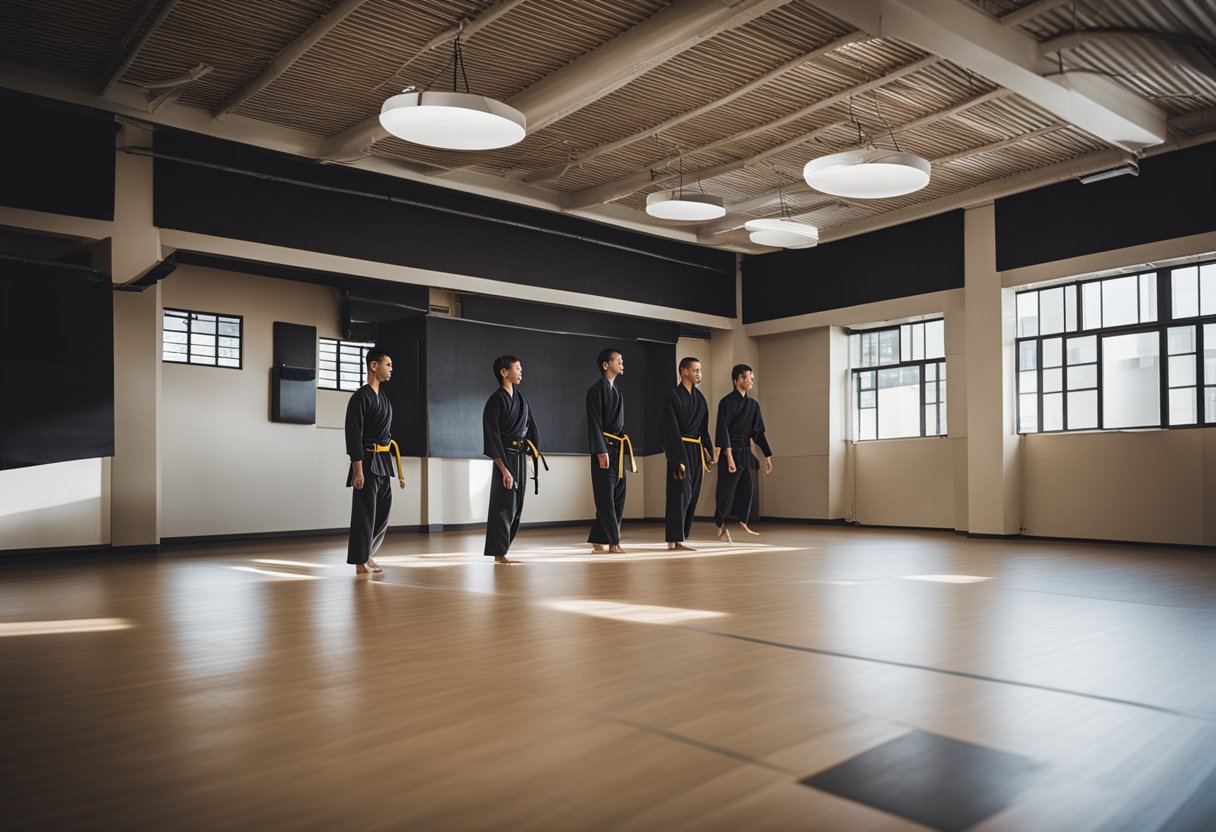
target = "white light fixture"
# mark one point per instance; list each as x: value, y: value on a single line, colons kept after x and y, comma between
x: 453, y: 120
x: 867, y: 174
x: 685, y: 205
x: 782, y: 233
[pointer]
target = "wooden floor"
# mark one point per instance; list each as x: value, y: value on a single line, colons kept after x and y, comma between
x: 264, y: 686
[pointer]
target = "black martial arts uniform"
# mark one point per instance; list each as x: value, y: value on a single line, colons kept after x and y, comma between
x: 369, y: 419
x: 686, y: 440
x: 606, y: 435
x: 739, y: 422
x: 507, y: 427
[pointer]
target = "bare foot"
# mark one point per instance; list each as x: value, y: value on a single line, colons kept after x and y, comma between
x: 746, y: 529
x: 679, y: 547
x: 597, y: 548
x: 724, y: 534
x: 360, y: 569
x: 503, y: 559
x: 373, y: 566
x: 616, y: 549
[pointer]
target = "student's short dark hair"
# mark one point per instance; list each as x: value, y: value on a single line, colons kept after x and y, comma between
x: 376, y: 354
x: 503, y: 362
x: 604, y: 356
x: 738, y: 370
x: 688, y: 361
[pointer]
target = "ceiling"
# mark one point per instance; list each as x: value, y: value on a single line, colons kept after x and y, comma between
x: 621, y: 96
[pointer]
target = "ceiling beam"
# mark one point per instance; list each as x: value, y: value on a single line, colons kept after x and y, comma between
x: 127, y: 51
x: 751, y: 86
x: 623, y: 187
x: 1028, y: 11
x: 1008, y: 57
x: 631, y: 54
x: 290, y: 54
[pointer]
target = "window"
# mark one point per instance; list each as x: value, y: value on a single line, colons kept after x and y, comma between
x: 340, y: 364
x: 904, y: 394
x: 1134, y: 351
x: 202, y: 338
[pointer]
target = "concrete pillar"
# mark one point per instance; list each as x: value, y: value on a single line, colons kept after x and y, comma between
x: 993, y: 481
x: 134, y: 247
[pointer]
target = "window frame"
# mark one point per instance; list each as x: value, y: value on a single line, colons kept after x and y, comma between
x: 856, y: 374
x: 189, y: 315
x: 338, y: 344
x: 1165, y: 321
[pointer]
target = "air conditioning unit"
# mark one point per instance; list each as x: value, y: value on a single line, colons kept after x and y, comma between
x: 1130, y: 167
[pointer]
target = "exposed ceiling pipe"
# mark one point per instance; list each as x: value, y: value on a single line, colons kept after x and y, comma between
x: 127, y: 52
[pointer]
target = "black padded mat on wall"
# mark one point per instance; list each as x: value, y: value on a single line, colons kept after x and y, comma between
x: 56, y: 364
x: 558, y: 369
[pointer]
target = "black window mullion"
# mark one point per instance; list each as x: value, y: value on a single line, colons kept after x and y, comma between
x: 1098, y: 381
x: 1163, y: 376
x: 1038, y: 362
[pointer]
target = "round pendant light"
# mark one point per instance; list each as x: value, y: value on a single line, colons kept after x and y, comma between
x: 685, y: 205
x: 867, y: 174
x: 782, y: 233
x: 453, y: 120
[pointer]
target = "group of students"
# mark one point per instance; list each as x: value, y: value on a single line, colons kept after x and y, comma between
x: 510, y: 438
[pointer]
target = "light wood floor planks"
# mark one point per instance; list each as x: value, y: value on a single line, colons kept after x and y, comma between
x: 262, y: 685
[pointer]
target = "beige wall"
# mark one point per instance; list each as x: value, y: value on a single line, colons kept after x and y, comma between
x: 905, y: 482
x: 226, y: 468
x: 1157, y: 486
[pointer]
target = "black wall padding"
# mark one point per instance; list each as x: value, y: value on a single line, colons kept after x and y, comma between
x: 405, y: 342
x: 426, y: 226
x: 1172, y: 197
x: 910, y: 259
x: 558, y: 369
x: 56, y: 364
x: 56, y: 157
x: 406, y: 295
x: 293, y: 378
x: 563, y: 319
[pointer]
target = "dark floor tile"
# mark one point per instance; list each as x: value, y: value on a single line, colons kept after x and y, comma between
x: 930, y: 779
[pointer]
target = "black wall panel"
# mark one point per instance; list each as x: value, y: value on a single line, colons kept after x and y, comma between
x: 910, y: 259
x: 1174, y: 196
x: 56, y: 157
x: 360, y: 214
x: 558, y: 369
x: 56, y: 364
x: 404, y: 340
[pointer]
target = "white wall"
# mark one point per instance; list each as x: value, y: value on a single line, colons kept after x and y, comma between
x: 63, y: 504
x: 226, y: 468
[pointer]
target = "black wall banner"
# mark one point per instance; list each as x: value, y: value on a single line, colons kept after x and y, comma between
x: 56, y: 157
x: 1171, y: 197
x: 56, y: 364
x: 914, y: 258
x: 557, y: 370
x: 205, y: 185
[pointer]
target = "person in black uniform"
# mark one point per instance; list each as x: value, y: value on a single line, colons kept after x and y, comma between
x: 509, y: 435
x: 688, y: 447
x: 739, y: 423
x: 369, y: 419
x: 609, y: 443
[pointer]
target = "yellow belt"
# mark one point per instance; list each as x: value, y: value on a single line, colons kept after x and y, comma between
x: 625, y: 443
x: 697, y: 441
x: 392, y: 446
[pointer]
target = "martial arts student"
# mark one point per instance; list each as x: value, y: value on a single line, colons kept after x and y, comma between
x: 687, y: 445
x: 609, y: 443
x: 509, y: 436
x: 739, y: 423
x: 369, y: 420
